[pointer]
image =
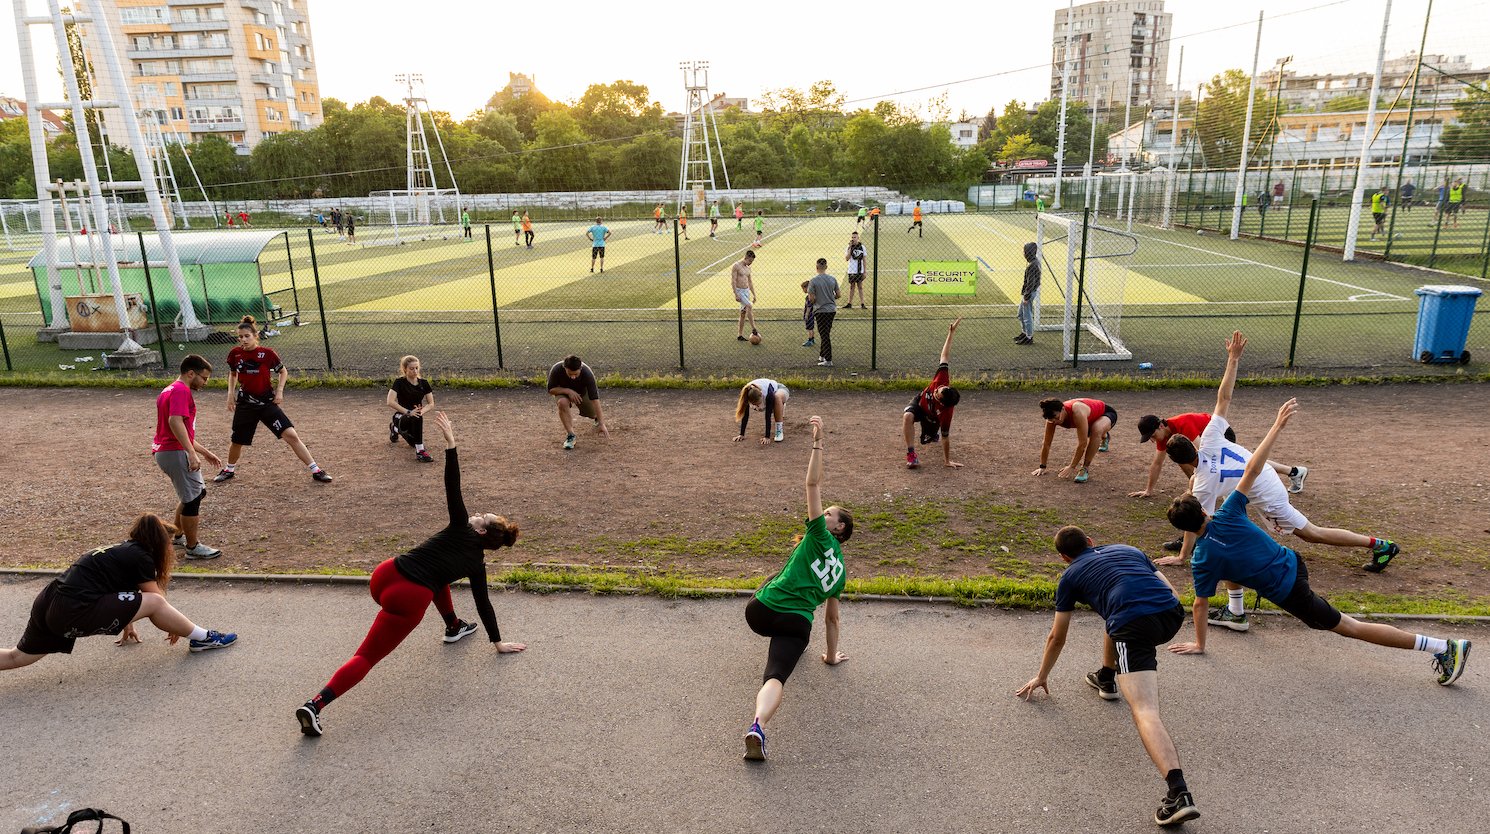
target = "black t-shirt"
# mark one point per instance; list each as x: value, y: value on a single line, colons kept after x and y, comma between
x: 584, y: 384
x: 410, y: 395
x: 107, y: 570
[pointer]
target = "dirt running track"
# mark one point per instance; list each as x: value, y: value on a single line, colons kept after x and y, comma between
x: 1408, y: 461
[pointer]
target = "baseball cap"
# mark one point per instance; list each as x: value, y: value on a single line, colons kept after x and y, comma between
x: 1147, y: 425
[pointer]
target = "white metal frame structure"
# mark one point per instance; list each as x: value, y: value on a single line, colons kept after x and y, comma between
x: 1102, y: 289
x: 420, y: 177
x: 698, y: 150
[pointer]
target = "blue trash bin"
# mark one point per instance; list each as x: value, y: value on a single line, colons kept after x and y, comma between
x: 1444, y: 316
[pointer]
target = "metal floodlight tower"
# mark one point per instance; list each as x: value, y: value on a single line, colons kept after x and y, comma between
x: 697, y: 171
x: 421, y: 166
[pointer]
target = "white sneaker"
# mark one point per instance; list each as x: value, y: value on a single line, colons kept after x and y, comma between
x: 202, y: 551
x: 179, y: 541
x: 780, y: 435
x: 1296, y: 484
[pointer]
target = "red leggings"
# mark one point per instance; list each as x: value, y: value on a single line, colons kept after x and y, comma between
x: 403, y: 603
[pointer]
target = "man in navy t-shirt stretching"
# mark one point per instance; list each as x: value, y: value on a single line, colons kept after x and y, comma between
x: 1140, y: 611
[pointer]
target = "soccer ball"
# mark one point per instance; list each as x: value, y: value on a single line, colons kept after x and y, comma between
x: 755, y: 338
x: 1200, y: 231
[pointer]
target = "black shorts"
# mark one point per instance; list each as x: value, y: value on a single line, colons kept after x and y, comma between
x: 915, y: 223
x: 248, y: 415
x: 597, y: 252
x: 1111, y: 415
x: 1137, y: 639
x: 856, y: 279
x: 930, y: 429
x: 58, y: 620
x: 1378, y: 216
x: 1310, y: 608
x: 789, y: 633
x: 1230, y: 434
x: 1454, y: 208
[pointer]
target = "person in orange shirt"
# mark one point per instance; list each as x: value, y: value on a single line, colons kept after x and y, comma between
x: 527, y: 230
x: 657, y: 223
x: 683, y: 224
x: 915, y: 220
x: 739, y: 217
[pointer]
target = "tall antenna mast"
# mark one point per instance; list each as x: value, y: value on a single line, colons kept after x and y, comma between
x: 696, y: 176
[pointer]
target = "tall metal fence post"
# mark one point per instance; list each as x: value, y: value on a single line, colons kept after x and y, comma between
x: 678, y: 280
x: 491, y: 273
x: 1485, y: 247
x: 160, y: 337
x: 5, y: 346
x: 1293, y: 188
x: 1298, y: 307
x: 1433, y: 251
x: 315, y: 270
x: 290, y: 259
x: 874, y: 295
x: 1086, y: 216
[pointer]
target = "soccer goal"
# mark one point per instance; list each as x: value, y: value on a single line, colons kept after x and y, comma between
x: 1090, y: 304
x: 404, y: 216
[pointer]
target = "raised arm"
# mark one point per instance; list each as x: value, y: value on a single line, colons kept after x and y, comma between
x: 815, y: 470
x: 453, y: 502
x: 1259, y: 460
x: 1234, y: 347
x: 947, y: 345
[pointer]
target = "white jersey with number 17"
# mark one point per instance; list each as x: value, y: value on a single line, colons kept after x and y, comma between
x: 1220, y: 469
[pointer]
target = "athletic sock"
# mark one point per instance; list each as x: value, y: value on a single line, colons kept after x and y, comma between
x: 418, y: 447
x: 779, y: 425
x: 313, y: 467
x: 230, y: 466
x: 1236, y: 601
x: 450, y: 619
x: 1432, y: 645
x: 1370, y: 542
x: 322, y: 698
x: 197, y: 633
x: 1106, y: 673
x: 910, y: 450
x: 1176, y: 780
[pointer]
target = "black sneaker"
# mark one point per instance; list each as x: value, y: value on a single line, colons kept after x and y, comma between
x: 393, y: 431
x: 461, y: 628
x: 1381, y: 554
x: 224, y: 475
x: 321, y: 475
x: 309, y: 718
x: 1107, y: 688
x: 1173, y: 546
x: 1176, y: 809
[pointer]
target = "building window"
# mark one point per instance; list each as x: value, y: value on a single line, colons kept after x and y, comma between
x: 143, y: 14
x: 177, y: 114
x: 272, y: 115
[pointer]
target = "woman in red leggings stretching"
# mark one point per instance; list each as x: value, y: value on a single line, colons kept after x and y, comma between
x: 405, y: 586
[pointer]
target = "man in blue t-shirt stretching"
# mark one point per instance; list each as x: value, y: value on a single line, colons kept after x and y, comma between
x: 1141, y: 612
x: 1230, y: 548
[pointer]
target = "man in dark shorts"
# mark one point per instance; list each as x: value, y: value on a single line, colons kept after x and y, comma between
x: 1379, y: 212
x: 855, y: 257
x: 598, y: 235
x: 254, y: 399
x: 1230, y: 548
x: 932, y: 410
x: 572, y: 384
x: 179, y: 455
x: 1140, y: 611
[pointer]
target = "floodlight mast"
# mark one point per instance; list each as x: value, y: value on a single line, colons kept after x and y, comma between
x: 420, y: 172
x: 697, y: 169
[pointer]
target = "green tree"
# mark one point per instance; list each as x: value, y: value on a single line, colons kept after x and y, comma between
x: 1222, y: 117
x: 559, y: 158
x: 1344, y: 104
x: 497, y: 126
x: 1044, y: 129
x: 1469, y: 136
x: 649, y: 161
x: 615, y: 110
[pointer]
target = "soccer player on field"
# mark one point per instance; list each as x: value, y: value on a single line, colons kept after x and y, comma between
x: 859, y: 221
x: 658, y: 223
x: 1232, y: 548
x: 683, y: 224
x: 1027, y: 292
x: 932, y: 409
x: 254, y: 399
x: 598, y: 235
x: 739, y: 217
x: 1218, y: 463
x: 517, y: 228
x: 527, y: 230
x: 856, y: 259
x: 1379, y: 212
x: 572, y: 384
x: 783, y: 608
x: 915, y: 220
x: 1140, y: 611
x: 743, y: 287
x: 714, y: 220
x: 1092, y: 419
x: 760, y: 227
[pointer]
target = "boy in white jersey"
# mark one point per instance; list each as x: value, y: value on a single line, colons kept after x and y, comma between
x: 1219, y: 464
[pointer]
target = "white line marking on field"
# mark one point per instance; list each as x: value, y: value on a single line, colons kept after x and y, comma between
x: 740, y: 252
x: 1367, y: 290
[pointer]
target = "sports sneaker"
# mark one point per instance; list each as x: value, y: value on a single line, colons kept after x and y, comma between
x: 1176, y: 809
x: 224, y: 475
x: 393, y: 431
x: 809, y: 343
x: 321, y: 475
x: 1174, y: 545
x: 1223, y: 618
x: 825, y: 363
x: 423, y: 457
x: 1450, y: 663
x: 202, y: 551
x: 755, y: 743
x: 1106, y: 688
x: 1296, y: 480
x: 1082, y: 476
x: 309, y: 718
x: 215, y: 640
x: 569, y: 441
x: 179, y: 541
x: 1106, y: 441
x: 461, y: 628
x: 912, y: 461
x: 1381, y: 555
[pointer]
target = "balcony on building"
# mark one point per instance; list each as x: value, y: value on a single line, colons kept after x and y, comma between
x: 217, y: 125
x: 204, y: 77
x: 196, y: 52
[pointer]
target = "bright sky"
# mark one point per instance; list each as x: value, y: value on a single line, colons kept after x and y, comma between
x: 869, y: 51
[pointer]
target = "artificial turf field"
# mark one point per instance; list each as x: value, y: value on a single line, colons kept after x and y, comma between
x: 1182, y: 292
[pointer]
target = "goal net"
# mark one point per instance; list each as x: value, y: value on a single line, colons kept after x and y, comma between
x: 1086, y: 308
x: 403, y: 216
x: 20, y: 220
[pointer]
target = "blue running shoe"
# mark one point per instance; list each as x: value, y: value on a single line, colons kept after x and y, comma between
x: 215, y: 640
x: 1106, y: 442
x: 1449, y: 664
x: 755, y: 743
x: 1082, y: 476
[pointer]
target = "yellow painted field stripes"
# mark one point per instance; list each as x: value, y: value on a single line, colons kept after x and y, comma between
x: 778, y: 278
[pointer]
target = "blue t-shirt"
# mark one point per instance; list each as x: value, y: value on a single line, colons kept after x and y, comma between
x: 597, y: 236
x: 1235, y: 549
x: 1118, y: 582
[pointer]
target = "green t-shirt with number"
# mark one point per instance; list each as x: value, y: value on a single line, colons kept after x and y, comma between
x: 812, y: 574
x: 517, y: 221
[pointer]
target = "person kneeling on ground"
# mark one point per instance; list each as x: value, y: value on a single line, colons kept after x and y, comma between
x: 572, y: 384
x: 410, y: 396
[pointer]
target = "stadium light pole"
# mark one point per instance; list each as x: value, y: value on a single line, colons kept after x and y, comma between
x: 1241, y: 171
x: 1174, y: 147
x: 1060, y: 136
x: 1412, y: 104
x: 1357, y: 194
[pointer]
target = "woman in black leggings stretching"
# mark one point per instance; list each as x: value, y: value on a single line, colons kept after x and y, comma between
x: 783, y: 608
x: 405, y: 586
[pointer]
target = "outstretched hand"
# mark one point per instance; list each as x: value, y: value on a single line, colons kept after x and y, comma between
x: 837, y: 658
x: 1286, y: 411
x: 128, y: 635
x: 952, y: 328
x: 1235, y: 344
x: 442, y: 422
x: 1027, y: 692
x: 817, y: 427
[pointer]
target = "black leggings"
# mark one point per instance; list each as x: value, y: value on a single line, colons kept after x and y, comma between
x: 409, y: 427
x: 789, y: 635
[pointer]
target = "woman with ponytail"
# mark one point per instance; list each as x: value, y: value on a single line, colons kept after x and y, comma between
x: 404, y: 586
x: 105, y: 592
x: 766, y: 395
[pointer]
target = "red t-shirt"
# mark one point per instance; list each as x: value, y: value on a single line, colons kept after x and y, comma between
x: 1068, y: 420
x: 254, y: 369
x: 1186, y: 425
x: 175, y: 400
x: 929, y: 406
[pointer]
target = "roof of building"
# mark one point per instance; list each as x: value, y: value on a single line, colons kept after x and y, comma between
x: 14, y: 108
x: 223, y: 247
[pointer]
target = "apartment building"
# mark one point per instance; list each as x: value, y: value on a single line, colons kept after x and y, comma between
x: 238, y: 69
x: 1442, y: 82
x: 1119, y: 52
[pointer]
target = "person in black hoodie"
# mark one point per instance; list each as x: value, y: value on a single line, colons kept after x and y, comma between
x: 405, y: 586
x: 1027, y: 295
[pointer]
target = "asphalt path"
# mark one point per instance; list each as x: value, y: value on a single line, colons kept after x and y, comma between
x: 625, y: 714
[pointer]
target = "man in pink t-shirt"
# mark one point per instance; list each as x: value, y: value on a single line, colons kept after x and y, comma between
x: 179, y: 455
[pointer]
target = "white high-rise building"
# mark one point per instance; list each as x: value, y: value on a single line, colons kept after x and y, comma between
x: 1119, y: 52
